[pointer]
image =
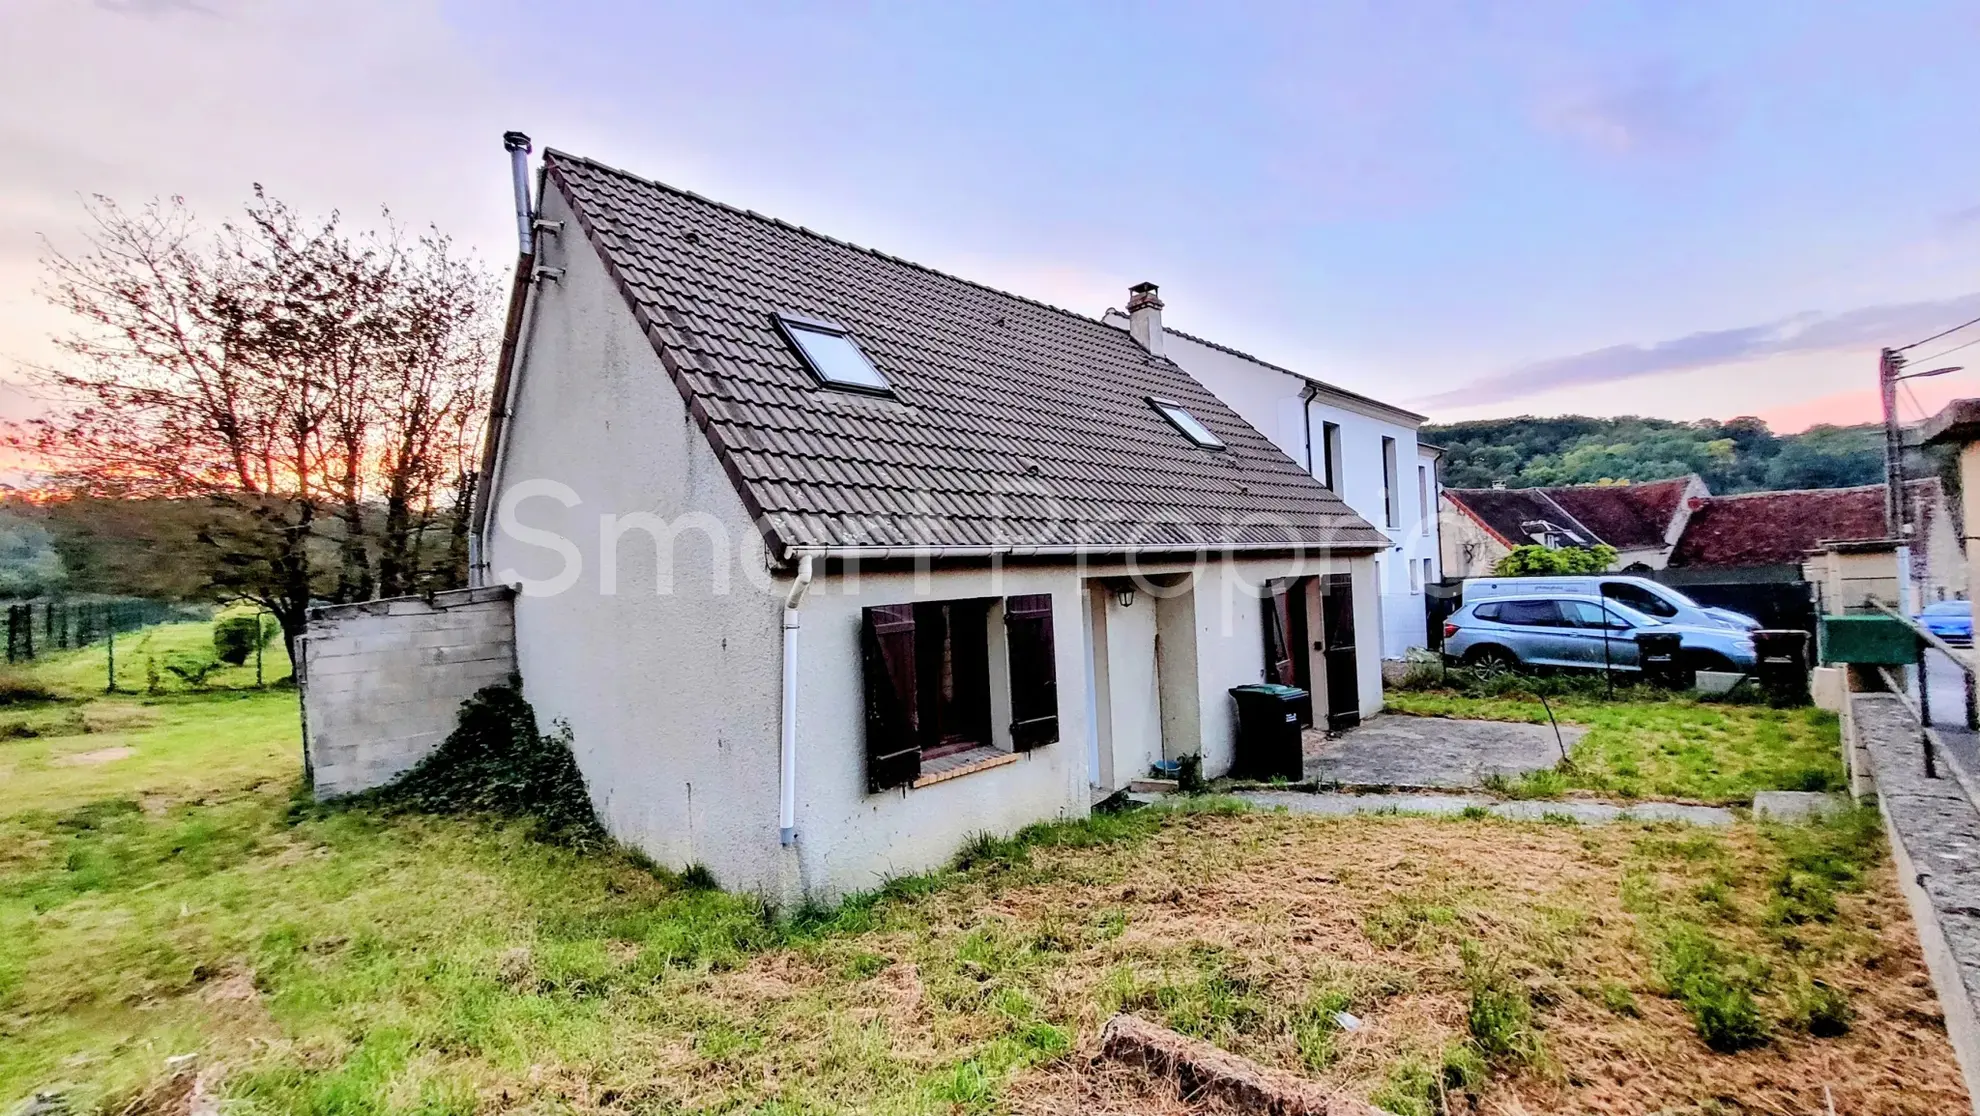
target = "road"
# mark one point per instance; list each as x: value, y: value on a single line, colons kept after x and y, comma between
x: 1945, y: 686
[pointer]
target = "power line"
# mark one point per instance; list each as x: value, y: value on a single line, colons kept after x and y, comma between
x: 1938, y: 335
x: 1915, y: 404
x: 1943, y: 352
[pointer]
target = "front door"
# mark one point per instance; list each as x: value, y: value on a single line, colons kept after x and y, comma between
x: 1337, y: 650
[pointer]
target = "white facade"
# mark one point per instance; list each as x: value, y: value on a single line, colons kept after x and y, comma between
x: 662, y: 649
x: 1371, y: 444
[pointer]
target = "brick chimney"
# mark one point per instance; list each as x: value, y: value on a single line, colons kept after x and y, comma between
x: 1145, y: 317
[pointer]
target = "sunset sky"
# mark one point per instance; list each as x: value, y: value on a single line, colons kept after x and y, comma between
x: 1477, y: 209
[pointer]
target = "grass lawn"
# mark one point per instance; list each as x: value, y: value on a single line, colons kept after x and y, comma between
x: 178, y: 898
x: 144, y: 661
x: 1661, y: 747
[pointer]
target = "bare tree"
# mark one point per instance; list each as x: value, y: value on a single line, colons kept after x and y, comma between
x: 316, y: 390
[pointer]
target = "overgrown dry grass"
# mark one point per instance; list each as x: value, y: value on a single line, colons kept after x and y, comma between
x: 1235, y: 928
x: 356, y: 963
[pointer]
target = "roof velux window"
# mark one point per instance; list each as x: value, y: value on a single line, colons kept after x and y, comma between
x: 832, y: 356
x: 1192, y: 429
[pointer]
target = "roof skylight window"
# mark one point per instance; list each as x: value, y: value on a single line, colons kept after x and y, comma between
x: 833, y: 357
x: 1191, y: 428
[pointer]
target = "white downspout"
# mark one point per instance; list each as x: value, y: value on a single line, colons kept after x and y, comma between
x: 787, y: 796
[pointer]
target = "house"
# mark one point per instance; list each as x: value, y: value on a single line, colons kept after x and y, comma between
x: 1768, y: 537
x: 829, y: 561
x: 1747, y: 552
x: 1642, y: 521
x: 1361, y: 448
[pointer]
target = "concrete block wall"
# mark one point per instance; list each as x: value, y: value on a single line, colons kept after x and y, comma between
x: 383, y: 681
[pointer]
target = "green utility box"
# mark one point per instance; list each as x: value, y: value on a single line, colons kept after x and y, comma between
x: 1869, y: 640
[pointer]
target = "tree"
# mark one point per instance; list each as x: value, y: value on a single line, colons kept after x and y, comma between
x: 1737, y: 455
x: 305, y: 400
x: 30, y: 564
x: 1830, y: 457
x: 1533, y: 560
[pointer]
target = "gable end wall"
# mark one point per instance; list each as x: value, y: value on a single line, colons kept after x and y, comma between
x: 672, y: 700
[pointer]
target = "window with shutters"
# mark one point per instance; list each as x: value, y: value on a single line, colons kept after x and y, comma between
x: 927, y: 669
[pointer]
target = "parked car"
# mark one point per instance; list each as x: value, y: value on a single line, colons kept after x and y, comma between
x: 1659, y: 602
x: 1951, y: 621
x: 1583, y: 631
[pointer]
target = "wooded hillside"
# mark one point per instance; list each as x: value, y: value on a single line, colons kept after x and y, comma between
x: 1737, y: 455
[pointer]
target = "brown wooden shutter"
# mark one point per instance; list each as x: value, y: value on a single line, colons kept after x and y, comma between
x: 1034, y: 671
x: 1277, y: 615
x: 893, y: 744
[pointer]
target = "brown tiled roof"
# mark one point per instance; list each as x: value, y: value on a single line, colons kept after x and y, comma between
x: 1626, y: 516
x: 1506, y: 512
x: 1780, y: 528
x: 1014, y: 424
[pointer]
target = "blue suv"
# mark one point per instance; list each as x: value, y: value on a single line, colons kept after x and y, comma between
x: 1579, y: 631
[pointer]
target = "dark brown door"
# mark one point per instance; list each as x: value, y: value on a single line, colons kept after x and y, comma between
x: 1337, y: 650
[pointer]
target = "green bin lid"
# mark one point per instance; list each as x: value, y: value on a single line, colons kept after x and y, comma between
x: 1272, y: 688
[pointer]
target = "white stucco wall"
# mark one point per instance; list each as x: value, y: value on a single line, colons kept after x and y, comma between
x: 1134, y: 705
x: 849, y: 840
x: 673, y: 701
x: 1270, y: 400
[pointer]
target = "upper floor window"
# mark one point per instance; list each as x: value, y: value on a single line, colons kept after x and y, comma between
x: 1424, y: 509
x: 1390, y: 513
x: 832, y: 356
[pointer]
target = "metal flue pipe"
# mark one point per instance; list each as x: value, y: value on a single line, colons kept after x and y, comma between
x: 517, y: 145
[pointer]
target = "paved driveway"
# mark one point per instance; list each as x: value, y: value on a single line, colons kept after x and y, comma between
x: 1392, y: 750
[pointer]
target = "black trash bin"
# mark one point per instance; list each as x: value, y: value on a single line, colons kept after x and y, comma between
x: 1661, y: 655
x: 1268, y: 737
x: 1781, y: 665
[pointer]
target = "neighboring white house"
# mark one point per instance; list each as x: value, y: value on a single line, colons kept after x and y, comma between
x: 830, y: 561
x: 1364, y: 449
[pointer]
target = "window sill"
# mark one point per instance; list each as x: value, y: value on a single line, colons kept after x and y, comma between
x: 956, y: 766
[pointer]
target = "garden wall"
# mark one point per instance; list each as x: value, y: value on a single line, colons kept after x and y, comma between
x: 1934, y: 830
x: 383, y: 680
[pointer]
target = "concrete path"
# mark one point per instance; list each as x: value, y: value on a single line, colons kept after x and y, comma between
x: 1394, y: 750
x: 1581, y: 810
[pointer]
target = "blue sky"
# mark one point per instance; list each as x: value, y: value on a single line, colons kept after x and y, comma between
x: 1681, y: 209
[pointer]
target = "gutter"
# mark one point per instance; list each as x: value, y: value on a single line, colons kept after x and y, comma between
x: 787, y: 745
x: 884, y: 553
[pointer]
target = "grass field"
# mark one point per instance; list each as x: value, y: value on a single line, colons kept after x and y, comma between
x: 178, y: 898
x: 144, y: 660
x: 1662, y: 747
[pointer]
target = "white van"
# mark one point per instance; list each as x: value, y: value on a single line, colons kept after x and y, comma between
x: 1660, y: 602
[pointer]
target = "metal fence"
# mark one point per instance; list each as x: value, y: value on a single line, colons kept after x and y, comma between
x: 38, y: 628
